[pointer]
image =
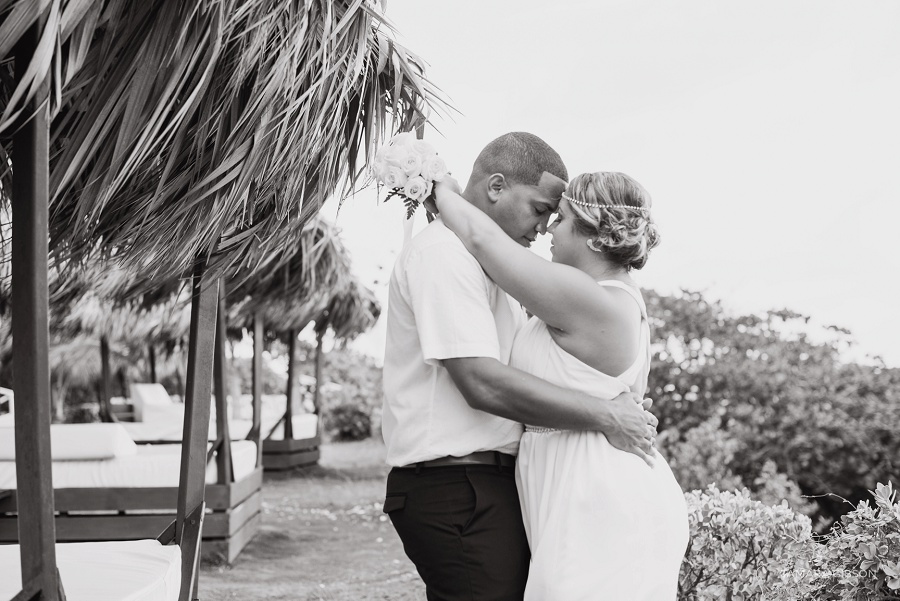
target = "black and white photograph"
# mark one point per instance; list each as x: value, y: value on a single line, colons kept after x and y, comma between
x: 497, y: 300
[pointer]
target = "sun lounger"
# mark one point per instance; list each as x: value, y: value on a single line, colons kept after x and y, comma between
x: 107, y: 487
x: 141, y: 570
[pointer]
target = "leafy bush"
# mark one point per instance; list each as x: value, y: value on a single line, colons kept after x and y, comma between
x: 706, y: 454
x: 348, y: 422
x: 739, y: 547
x: 743, y: 549
x: 701, y: 456
x: 783, y: 393
x: 350, y: 396
x: 861, y: 558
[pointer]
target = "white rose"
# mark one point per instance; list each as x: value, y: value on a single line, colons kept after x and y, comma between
x: 423, y: 149
x: 394, y: 177
x: 412, y: 164
x: 416, y: 188
x: 379, y: 169
x: 434, y: 168
x: 396, y: 156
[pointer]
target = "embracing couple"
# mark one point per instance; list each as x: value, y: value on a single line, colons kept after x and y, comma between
x: 576, y: 504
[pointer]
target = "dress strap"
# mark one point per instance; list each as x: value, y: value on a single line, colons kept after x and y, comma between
x: 630, y: 290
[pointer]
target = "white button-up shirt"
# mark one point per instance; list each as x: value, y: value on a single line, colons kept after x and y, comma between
x: 442, y: 305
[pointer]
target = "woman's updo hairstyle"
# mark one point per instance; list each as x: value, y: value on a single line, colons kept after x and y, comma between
x: 613, y: 210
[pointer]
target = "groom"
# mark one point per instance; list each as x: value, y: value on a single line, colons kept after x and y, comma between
x: 454, y: 409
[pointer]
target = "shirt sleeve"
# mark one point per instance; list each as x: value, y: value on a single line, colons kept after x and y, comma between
x: 451, y: 300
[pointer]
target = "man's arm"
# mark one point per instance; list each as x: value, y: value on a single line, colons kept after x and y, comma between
x: 490, y: 386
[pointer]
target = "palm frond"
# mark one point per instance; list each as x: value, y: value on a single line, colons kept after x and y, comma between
x: 349, y: 313
x: 215, y: 127
x: 291, y: 284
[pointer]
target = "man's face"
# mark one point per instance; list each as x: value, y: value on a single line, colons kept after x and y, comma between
x: 523, y: 211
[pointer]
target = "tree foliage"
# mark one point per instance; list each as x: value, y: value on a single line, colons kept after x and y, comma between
x: 781, y: 391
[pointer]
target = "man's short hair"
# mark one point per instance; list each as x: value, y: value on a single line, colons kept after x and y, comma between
x: 521, y: 157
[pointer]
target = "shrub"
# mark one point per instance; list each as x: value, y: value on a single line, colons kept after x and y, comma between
x: 348, y: 422
x: 861, y: 557
x: 705, y: 456
x: 783, y: 390
x: 743, y: 549
x: 739, y: 547
x: 701, y: 456
x: 351, y: 380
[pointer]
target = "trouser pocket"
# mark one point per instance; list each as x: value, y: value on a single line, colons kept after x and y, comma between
x: 394, y: 502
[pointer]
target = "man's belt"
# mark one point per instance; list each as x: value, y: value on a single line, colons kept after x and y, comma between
x: 479, y: 458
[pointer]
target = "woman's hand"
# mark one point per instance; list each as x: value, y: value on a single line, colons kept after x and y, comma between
x: 445, y: 186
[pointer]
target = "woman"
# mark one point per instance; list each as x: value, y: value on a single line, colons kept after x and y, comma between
x: 601, y: 523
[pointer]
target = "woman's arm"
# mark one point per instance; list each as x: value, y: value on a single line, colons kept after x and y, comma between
x: 562, y: 296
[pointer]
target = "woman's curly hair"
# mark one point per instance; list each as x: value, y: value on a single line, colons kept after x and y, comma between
x: 624, y: 235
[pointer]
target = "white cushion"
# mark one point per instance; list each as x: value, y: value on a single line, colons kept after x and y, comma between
x: 75, y: 442
x: 305, y: 426
x: 163, y: 414
x: 144, y: 396
x: 140, y: 570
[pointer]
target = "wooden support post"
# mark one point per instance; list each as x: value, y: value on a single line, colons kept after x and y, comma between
x: 291, y: 386
x: 224, y: 464
x: 319, y: 336
x: 30, y: 333
x: 257, y: 385
x: 151, y: 359
x: 192, y: 483
x: 105, y: 409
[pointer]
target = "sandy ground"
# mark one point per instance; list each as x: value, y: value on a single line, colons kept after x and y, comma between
x: 323, y: 536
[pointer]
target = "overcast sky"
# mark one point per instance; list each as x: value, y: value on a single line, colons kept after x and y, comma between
x: 766, y: 132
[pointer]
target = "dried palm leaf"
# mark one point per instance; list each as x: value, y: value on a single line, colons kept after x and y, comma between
x: 182, y: 129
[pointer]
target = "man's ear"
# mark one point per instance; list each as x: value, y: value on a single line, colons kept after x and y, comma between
x: 496, y: 184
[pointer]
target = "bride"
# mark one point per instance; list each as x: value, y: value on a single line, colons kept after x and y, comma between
x: 601, y: 523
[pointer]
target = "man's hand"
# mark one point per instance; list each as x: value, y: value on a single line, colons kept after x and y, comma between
x: 635, y: 427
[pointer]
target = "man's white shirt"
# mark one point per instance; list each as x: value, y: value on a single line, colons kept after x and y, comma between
x: 442, y: 305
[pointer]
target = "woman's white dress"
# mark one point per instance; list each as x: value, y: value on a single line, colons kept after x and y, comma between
x: 601, y: 523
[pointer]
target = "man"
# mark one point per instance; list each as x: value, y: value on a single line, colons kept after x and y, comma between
x: 453, y: 408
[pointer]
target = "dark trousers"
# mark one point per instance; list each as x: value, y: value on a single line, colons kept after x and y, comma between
x: 462, y: 528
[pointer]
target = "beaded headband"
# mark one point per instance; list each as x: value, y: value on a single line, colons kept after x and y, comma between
x: 642, y: 210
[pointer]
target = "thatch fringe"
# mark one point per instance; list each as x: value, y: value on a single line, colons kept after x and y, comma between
x: 301, y: 283
x: 183, y: 129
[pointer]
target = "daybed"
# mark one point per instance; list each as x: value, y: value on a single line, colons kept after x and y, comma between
x: 125, y: 491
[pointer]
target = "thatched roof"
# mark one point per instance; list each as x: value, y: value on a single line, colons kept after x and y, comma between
x: 186, y: 128
x: 292, y: 284
x: 97, y: 300
x: 350, y: 312
x: 77, y: 361
x: 94, y: 316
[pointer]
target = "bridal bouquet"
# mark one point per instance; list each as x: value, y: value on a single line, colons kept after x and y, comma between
x: 409, y: 167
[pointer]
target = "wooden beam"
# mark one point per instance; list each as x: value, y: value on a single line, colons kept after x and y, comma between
x: 319, y: 336
x: 191, y: 487
x: 224, y: 462
x: 105, y: 385
x: 151, y: 360
x: 291, y: 385
x: 190, y: 552
x: 31, y: 378
x: 258, y: 348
